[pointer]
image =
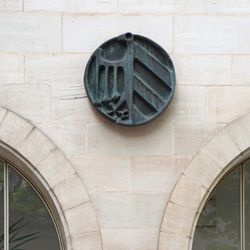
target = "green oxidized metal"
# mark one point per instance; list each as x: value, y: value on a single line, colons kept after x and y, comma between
x: 130, y: 79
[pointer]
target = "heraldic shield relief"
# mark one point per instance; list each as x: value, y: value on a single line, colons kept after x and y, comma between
x: 130, y: 79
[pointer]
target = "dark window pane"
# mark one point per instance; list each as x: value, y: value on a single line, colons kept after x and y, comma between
x: 1, y: 204
x: 218, y: 227
x: 247, y: 204
x: 31, y: 227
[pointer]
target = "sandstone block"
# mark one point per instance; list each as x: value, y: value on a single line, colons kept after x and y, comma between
x: 55, y: 168
x: 239, y: 131
x: 10, y: 5
x: 240, y: 70
x: 174, y: 217
x: 75, y: 6
x: 147, y: 6
x: 71, y: 192
x: 203, y: 169
x: 87, y: 241
x: 187, y: 193
x: 203, y: 34
x: 153, y: 139
x: 203, y: 69
x: 35, y: 147
x: 173, y: 241
x: 189, y: 137
x: 125, y: 239
x: 81, y: 220
x: 104, y: 174
x: 65, y: 70
x: 30, y: 101
x: 227, y: 103
x: 77, y: 30
x: 14, y: 129
x: 156, y: 174
x: 216, y: 149
x: 189, y: 104
x: 33, y: 32
x: 11, y: 68
x: 129, y: 210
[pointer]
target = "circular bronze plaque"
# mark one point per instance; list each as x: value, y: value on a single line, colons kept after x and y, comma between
x: 130, y: 79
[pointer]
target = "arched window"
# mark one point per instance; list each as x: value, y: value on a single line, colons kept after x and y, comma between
x: 224, y: 223
x: 25, y: 220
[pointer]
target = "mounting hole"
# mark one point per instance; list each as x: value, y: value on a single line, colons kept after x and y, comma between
x: 129, y: 36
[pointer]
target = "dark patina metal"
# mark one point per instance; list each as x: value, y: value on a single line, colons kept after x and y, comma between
x: 130, y: 79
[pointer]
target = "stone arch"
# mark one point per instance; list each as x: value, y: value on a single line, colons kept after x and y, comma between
x: 27, y: 148
x: 226, y: 148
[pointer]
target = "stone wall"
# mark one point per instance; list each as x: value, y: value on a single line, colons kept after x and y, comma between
x: 128, y: 173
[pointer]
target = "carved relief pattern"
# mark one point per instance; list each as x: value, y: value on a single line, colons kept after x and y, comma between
x: 130, y: 79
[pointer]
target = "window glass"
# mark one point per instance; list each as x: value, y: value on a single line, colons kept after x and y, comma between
x: 1, y: 205
x: 218, y: 227
x: 30, y: 224
x: 247, y: 204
